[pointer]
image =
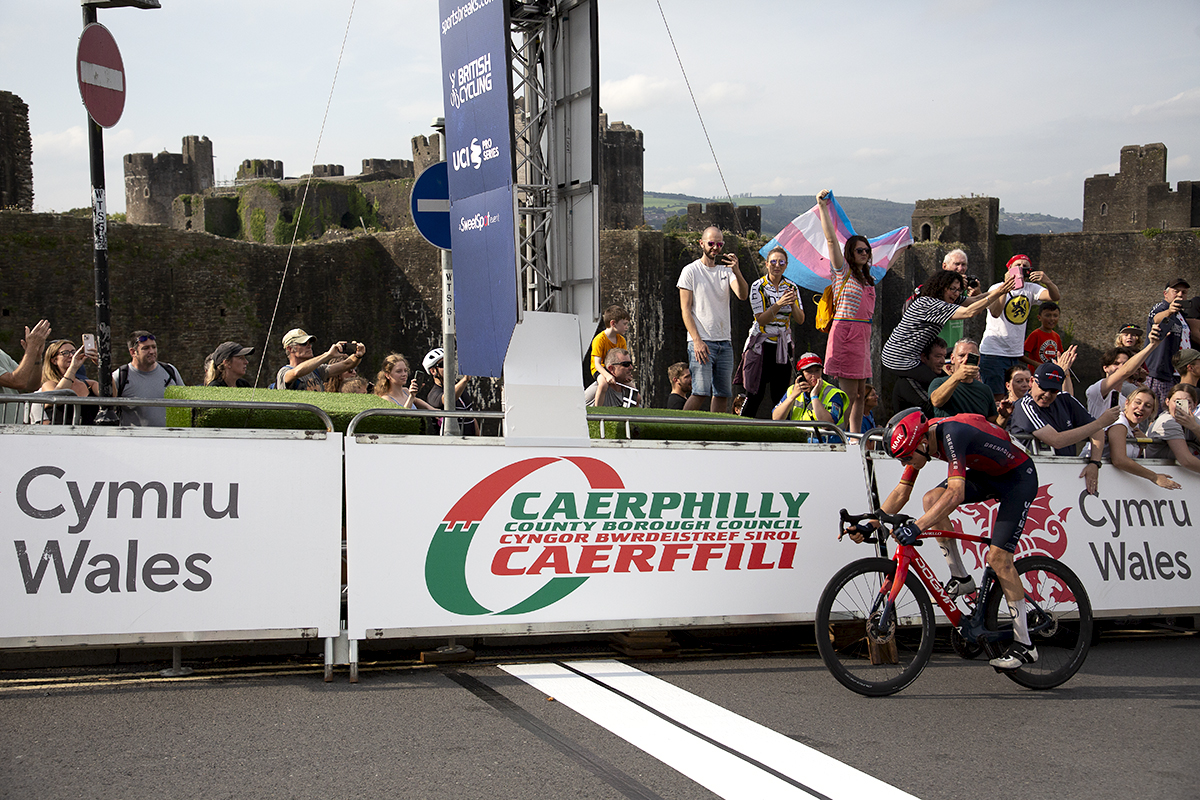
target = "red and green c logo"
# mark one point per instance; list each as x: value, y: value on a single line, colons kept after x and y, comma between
x: 446, y: 559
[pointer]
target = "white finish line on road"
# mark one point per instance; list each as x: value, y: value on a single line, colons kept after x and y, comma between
x: 726, y: 753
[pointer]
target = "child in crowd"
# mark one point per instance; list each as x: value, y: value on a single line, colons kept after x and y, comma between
x: 616, y: 325
x: 1044, y: 344
x: 355, y: 385
x: 1130, y: 336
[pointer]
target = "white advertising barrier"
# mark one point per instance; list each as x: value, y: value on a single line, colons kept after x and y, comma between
x: 489, y: 539
x: 1134, y: 546
x: 118, y: 536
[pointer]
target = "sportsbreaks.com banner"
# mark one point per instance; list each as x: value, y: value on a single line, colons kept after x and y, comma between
x: 126, y: 535
x: 480, y: 538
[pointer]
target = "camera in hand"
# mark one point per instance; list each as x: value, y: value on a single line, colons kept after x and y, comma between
x: 349, y: 348
x: 972, y: 282
x: 972, y: 359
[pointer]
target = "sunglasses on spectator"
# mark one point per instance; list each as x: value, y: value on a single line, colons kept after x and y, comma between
x: 149, y: 338
x: 862, y: 249
x: 717, y: 245
x: 777, y: 263
x: 622, y: 363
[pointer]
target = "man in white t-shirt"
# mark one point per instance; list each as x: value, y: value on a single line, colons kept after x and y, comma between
x: 1003, y: 343
x: 704, y: 287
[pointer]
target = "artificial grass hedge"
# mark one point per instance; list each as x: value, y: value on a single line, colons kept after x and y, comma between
x: 341, y: 408
x: 682, y: 431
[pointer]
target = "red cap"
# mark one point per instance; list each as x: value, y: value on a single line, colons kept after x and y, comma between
x: 808, y: 360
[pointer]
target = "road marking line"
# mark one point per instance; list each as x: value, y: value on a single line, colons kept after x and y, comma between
x: 99, y: 75
x: 678, y: 741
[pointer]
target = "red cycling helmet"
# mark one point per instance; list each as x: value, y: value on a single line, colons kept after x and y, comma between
x: 905, y: 432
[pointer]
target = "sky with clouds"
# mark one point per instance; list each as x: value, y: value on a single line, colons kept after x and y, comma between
x: 899, y: 101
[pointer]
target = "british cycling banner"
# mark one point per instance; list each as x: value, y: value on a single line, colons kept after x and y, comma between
x: 492, y: 539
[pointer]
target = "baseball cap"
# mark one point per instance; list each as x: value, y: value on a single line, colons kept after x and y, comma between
x: 1184, y: 357
x: 808, y: 360
x: 1175, y: 284
x: 1130, y: 329
x: 296, y: 336
x: 1018, y: 257
x: 1049, y: 376
x: 227, y: 350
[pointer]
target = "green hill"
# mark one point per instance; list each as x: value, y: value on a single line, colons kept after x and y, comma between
x: 869, y: 217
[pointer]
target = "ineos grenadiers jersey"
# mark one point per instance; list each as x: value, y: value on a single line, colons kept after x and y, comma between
x: 969, y: 441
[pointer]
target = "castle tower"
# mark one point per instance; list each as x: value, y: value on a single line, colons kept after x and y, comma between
x: 16, y: 154
x: 197, y: 152
x: 152, y: 182
x: 1139, y: 197
x: 621, y: 175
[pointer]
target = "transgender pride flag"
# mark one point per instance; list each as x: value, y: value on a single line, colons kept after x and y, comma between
x: 808, y: 254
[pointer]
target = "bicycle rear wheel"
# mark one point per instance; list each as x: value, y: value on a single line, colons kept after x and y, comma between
x: 874, y: 657
x: 1061, y: 630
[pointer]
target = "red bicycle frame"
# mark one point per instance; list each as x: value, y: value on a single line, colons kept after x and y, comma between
x: 907, y: 556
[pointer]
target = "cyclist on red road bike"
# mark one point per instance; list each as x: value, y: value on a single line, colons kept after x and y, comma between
x: 984, y: 464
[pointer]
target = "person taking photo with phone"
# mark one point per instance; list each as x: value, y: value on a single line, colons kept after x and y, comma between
x: 308, y: 373
x: 962, y: 392
x: 59, y: 371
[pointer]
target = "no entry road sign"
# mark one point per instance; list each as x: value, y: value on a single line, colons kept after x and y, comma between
x: 101, y: 75
x: 431, y: 205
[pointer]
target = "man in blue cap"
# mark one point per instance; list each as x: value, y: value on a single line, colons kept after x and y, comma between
x: 1060, y: 421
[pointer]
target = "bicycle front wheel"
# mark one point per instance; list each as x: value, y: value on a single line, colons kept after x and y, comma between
x: 865, y: 652
x: 1060, y: 624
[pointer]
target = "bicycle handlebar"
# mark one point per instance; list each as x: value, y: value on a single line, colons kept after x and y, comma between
x: 888, y: 519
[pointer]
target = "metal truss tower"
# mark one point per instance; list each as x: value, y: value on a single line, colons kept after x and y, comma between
x: 555, y: 79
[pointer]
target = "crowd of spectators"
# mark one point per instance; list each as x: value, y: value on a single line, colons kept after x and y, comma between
x: 1145, y: 406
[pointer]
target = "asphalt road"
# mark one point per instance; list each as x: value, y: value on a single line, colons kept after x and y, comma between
x: 1125, y: 726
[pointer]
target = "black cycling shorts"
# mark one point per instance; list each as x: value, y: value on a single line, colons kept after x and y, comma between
x: 1016, y: 491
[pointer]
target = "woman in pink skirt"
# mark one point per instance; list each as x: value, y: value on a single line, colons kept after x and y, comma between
x: 848, y: 353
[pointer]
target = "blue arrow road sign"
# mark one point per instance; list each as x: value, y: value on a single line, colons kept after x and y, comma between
x: 431, y: 205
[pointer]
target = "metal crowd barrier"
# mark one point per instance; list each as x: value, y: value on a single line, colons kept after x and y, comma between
x: 58, y: 398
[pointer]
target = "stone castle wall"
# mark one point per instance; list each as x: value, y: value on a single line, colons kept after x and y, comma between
x: 195, y: 291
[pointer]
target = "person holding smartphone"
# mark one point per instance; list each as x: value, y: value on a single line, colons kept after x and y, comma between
x: 1176, y: 432
x: 62, y: 362
x: 963, y: 392
x: 1003, y: 343
x: 1175, y: 333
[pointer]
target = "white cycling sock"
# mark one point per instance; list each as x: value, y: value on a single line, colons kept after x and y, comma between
x: 953, y: 557
x: 1020, y: 623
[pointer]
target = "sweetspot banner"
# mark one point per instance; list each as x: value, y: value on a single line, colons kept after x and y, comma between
x: 122, y: 534
x: 444, y: 540
x: 1133, y: 545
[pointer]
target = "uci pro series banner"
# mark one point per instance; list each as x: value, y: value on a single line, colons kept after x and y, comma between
x: 475, y: 539
x: 479, y: 136
x: 121, y: 535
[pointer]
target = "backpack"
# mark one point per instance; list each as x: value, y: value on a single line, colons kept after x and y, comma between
x: 123, y: 377
x: 826, y: 306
